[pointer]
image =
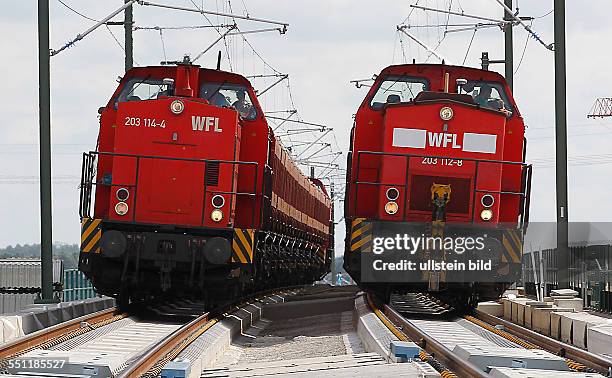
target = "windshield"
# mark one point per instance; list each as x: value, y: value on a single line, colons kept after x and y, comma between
x: 230, y: 96
x: 139, y: 89
x: 398, y: 89
x: 487, y: 94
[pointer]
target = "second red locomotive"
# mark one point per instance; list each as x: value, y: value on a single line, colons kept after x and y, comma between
x: 190, y: 192
x: 438, y: 154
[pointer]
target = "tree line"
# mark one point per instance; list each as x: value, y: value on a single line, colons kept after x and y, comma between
x: 69, y: 253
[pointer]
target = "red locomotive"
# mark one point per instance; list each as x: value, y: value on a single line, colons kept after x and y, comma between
x: 438, y: 150
x: 190, y: 192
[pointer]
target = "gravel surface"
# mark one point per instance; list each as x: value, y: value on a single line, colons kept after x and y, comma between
x: 307, y: 337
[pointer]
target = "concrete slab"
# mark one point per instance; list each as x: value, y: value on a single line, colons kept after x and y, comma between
x: 567, y: 322
x: 507, y: 303
x: 563, y: 292
x: 555, y: 322
x: 505, y: 372
x: 518, y: 306
x: 575, y: 303
x: 529, y: 306
x: 105, y: 355
x: 600, y: 339
x: 580, y: 326
x: 11, y: 328
x: 492, y: 308
x: 540, y: 319
x: 313, y: 307
x: 486, y: 358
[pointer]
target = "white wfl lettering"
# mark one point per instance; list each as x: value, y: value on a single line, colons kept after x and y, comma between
x: 201, y: 123
x: 442, y: 140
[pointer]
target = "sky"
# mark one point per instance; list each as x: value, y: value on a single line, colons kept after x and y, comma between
x: 328, y: 43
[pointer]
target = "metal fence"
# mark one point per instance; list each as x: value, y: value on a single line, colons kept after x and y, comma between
x: 590, y: 274
x: 76, y: 286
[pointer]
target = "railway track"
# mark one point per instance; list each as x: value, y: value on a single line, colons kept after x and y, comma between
x: 59, y: 333
x: 439, y: 338
x: 577, y: 358
x: 109, y: 343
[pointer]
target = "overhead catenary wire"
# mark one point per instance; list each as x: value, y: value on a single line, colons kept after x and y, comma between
x: 462, y: 14
x: 91, y: 29
x: 185, y: 27
x: 214, y: 13
x: 549, y: 46
x: 422, y: 44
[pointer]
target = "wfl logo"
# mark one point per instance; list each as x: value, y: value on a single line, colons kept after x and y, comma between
x: 201, y: 123
x: 442, y: 140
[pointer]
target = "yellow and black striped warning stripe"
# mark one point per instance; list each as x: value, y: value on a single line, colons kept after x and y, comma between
x: 361, y: 235
x: 242, y: 245
x: 91, y: 232
x: 321, y: 254
x: 513, y: 246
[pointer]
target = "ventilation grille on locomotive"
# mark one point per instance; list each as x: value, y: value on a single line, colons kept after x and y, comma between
x: 212, y: 173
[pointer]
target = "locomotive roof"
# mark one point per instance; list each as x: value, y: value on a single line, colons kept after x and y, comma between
x: 428, y: 69
x: 209, y: 73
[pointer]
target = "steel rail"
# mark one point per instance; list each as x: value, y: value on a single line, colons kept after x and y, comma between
x: 584, y: 357
x: 36, y: 339
x: 161, y: 349
x: 453, y: 362
x: 152, y: 361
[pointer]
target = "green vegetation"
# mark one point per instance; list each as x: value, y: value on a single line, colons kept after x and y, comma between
x: 67, y: 252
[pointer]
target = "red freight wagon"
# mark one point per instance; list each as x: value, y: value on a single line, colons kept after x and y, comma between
x: 190, y: 193
x: 438, y: 151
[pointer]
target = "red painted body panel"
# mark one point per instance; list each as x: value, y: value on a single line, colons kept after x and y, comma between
x: 170, y: 190
x: 377, y: 162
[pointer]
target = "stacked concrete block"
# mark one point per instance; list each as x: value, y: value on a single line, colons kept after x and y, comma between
x: 529, y: 312
x: 555, y: 322
x: 492, y: 308
x: 541, y: 319
x: 518, y: 307
x: 575, y: 303
x: 582, y: 324
x: 600, y: 339
x: 507, y: 305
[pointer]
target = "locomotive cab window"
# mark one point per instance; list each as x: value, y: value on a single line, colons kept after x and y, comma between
x: 487, y: 94
x: 230, y: 96
x: 139, y: 89
x: 398, y: 89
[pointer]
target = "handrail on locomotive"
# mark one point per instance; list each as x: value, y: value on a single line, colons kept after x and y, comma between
x: 88, y: 181
x: 524, y: 193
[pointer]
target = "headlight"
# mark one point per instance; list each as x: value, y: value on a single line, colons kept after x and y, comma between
x: 446, y: 113
x: 121, y: 208
x: 391, y: 208
x: 216, y: 215
x: 487, y: 200
x: 218, y: 201
x: 177, y: 106
x: 392, y: 194
x: 123, y: 194
x: 486, y: 215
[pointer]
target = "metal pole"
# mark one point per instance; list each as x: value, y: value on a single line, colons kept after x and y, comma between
x: 44, y: 103
x: 334, y: 269
x: 128, y: 22
x: 508, y: 45
x: 561, y: 145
